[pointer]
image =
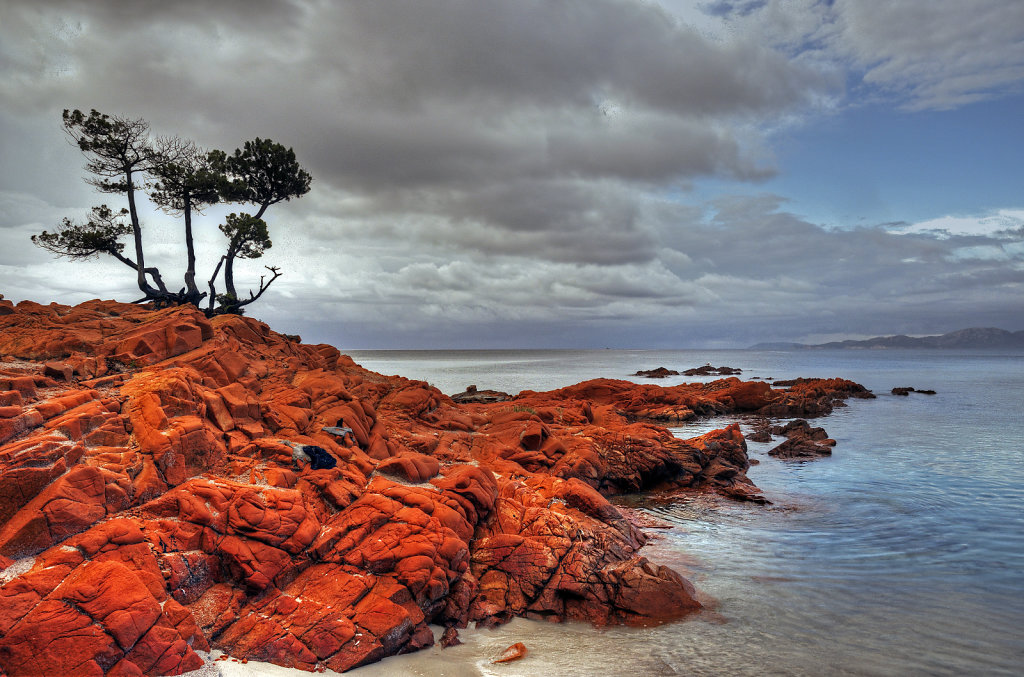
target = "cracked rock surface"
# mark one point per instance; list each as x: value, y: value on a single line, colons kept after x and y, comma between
x: 149, y: 506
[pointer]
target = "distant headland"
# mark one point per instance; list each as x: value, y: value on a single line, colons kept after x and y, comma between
x: 973, y: 338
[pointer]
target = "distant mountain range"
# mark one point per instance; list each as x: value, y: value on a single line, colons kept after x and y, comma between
x: 976, y: 338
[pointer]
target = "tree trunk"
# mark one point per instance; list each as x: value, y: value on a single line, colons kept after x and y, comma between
x: 152, y: 272
x: 213, y: 289
x: 191, y: 290
x: 229, y: 271
x: 137, y: 233
x: 229, y: 260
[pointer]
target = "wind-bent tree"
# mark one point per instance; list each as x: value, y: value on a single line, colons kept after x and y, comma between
x: 119, y: 153
x: 248, y: 238
x: 261, y: 173
x: 182, y: 180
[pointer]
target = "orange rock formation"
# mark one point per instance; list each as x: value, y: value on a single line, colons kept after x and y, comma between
x: 149, y: 507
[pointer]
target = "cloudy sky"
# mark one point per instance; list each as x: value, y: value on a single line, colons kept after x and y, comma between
x: 556, y: 173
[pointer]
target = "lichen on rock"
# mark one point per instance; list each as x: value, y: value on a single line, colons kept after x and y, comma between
x: 151, y: 505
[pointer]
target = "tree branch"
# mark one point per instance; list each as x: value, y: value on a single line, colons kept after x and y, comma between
x: 263, y: 287
x: 213, y: 290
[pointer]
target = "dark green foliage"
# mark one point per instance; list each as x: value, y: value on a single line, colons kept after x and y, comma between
x: 113, y: 145
x: 186, y: 181
x: 185, y: 178
x: 117, y: 150
x: 262, y: 173
x: 247, y: 236
x: 100, y: 234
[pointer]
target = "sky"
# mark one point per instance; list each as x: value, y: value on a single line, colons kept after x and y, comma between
x: 554, y: 173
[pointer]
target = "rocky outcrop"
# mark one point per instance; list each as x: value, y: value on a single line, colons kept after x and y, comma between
x: 471, y: 395
x: 761, y: 431
x: 151, y: 504
x: 813, y: 397
x: 708, y: 370
x: 905, y: 391
x: 807, y: 398
x: 802, y: 441
x: 660, y: 372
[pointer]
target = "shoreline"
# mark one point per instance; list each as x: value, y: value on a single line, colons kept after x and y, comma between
x: 183, y: 432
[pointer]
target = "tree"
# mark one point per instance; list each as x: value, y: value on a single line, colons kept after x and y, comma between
x: 248, y: 238
x: 118, y: 150
x: 182, y: 179
x: 262, y: 173
x: 186, y: 181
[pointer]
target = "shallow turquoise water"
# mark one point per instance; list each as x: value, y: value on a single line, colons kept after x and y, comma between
x: 903, y: 553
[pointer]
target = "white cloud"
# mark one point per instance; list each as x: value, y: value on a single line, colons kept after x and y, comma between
x: 926, y: 54
x: 1003, y: 221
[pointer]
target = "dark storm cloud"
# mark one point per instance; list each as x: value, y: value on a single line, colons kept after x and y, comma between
x: 445, y: 74
x: 455, y: 102
x: 559, y: 220
x: 535, y: 53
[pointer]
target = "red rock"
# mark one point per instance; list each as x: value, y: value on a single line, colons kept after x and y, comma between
x: 10, y: 398
x: 164, y: 513
x: 410, y: 466
x: 512, y: 653
x: 450, y: 637
x: 24, y: 385
x: 70, y: 505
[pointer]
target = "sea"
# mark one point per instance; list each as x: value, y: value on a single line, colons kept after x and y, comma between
x: 900, y: 554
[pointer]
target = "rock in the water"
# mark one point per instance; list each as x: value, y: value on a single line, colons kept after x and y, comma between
x: 450, y: 637
x: 762, y: 431
x: 708, y: 370
x: 800, y: 448
x: 761, y: 435
x: 513, y: 653
x: 905, y: 391
x: 802, y: 441
x: 660, y: 372
x: 474, y: 396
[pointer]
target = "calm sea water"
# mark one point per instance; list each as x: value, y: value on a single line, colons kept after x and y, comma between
x: 902, y: 554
